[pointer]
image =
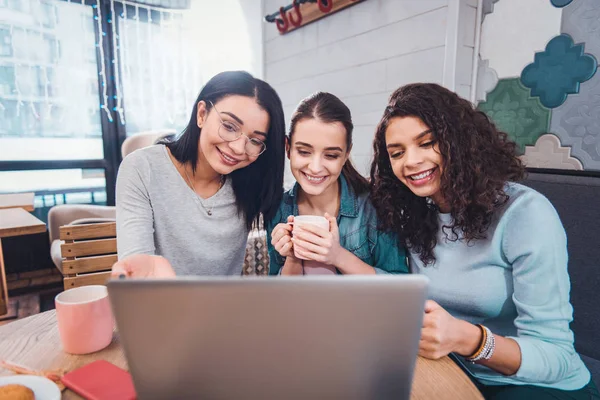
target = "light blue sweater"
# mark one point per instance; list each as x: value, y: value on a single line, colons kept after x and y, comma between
x: 515, y: 282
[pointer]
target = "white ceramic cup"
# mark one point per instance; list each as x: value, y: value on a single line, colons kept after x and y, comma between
x: 308, y: 220
x: 312, y: 267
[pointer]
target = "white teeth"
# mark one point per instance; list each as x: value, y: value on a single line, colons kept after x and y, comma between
x: 422, y: 175
x: 315, y: 178
x: 229, y: 158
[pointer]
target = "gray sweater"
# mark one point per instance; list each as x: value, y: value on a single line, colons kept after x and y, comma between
x: 158, y: 213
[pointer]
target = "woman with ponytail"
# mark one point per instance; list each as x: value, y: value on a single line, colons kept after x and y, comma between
x: 328, y: 185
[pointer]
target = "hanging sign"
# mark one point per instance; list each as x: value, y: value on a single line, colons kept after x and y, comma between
x: 302, y: 12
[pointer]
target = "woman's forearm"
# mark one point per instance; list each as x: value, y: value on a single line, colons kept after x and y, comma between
x: 506, y: 358
x: 292, y: 266
x: 348, y: 263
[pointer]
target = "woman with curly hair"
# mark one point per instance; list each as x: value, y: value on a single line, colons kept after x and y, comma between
x: 443, y: 179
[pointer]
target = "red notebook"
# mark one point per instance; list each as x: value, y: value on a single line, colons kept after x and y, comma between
x: 100, y: 380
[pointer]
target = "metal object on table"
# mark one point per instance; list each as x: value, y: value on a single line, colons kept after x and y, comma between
x: 34, y: 342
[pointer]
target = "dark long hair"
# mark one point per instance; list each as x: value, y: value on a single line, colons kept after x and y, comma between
x: 329, y: 109
x: 257, y: 187
x: 478, y: 160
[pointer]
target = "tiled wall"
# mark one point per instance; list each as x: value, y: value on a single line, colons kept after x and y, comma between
x: 364, y: 52
x: 538, y: 79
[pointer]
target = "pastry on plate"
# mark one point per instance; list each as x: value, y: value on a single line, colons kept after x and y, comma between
x: 16, y: 392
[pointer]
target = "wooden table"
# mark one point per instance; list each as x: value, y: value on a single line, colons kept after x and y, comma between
x: 14, y: 222
x: 35, y: 343
x: 17, y: 200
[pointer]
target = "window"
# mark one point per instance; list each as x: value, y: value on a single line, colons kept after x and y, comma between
x: 60, y: 186
x: 49, y: 100
x: 159, y: 74
x: 78, y: 76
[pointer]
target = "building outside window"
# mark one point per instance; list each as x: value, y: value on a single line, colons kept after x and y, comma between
x: 79, y: 76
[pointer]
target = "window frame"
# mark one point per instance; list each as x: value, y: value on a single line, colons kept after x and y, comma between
x: 113, y: 133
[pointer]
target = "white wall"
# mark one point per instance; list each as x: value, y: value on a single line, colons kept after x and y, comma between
x: 365, y: 52
x: 227, y: 35
x: 511, y: 23
x: 460, y: 39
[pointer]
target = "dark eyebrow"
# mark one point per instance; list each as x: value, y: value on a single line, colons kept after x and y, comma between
x: 232, y: 115
x: 419, y: 136
x: 303, y: 144
x: 424, y: 133
x: 327, y: 148
x: 239, y: 121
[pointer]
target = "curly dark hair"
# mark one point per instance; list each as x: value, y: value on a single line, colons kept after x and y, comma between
x: 478, y: 160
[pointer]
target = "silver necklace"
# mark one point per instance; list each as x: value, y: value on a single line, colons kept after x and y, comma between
x: 208, y: 210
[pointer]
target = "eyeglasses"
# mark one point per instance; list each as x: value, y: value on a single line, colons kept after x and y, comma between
x: 230, y: 132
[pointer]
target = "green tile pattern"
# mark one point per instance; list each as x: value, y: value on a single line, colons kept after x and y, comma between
x: 515, y: 112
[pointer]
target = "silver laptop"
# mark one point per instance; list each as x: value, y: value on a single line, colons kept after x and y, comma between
x: 338, y: 337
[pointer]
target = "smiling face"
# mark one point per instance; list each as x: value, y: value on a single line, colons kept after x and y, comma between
x: 415, y: 157
x: 235, y: 113
x: 317, y: 153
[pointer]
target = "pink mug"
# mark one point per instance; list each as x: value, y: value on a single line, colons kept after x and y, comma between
x: 313, y: 267
x: 85, y: 320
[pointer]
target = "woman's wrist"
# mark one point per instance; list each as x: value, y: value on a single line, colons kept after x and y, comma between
x: 470, y: 337
x: 341, y: 259
x: 292, y: 266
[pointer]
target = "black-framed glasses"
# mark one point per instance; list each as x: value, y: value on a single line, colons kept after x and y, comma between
x: 230, y: 131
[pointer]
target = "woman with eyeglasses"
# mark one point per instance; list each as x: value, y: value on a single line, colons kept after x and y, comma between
x: 187, y: 206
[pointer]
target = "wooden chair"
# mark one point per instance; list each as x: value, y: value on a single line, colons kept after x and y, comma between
x: 88, y: 253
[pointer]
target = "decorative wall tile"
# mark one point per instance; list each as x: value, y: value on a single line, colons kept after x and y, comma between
x: 548, y: 153
x: 581, y: 20
x: 515, y: 31
x: 515, y: 112
x: 487, y: 79
x: 560, y: 3
x: 558, y: 71
x: 577, y: 123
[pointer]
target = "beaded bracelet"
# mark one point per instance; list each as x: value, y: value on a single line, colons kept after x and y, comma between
x: 489, y: 346
x: 481, y: 343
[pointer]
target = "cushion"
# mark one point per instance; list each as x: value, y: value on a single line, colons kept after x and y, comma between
x: 576, y: 199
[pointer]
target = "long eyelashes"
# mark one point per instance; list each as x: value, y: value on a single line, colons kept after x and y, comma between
x: 328, y: 156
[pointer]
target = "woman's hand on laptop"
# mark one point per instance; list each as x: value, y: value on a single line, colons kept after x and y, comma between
x: 143, y: 266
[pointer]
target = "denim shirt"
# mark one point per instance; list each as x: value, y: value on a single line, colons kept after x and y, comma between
x: 357, y: 222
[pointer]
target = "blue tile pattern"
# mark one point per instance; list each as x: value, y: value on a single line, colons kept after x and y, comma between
x: 558, y: 71
x: 577, y: 124
x: 581, y: 21
x: 560, y: 3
